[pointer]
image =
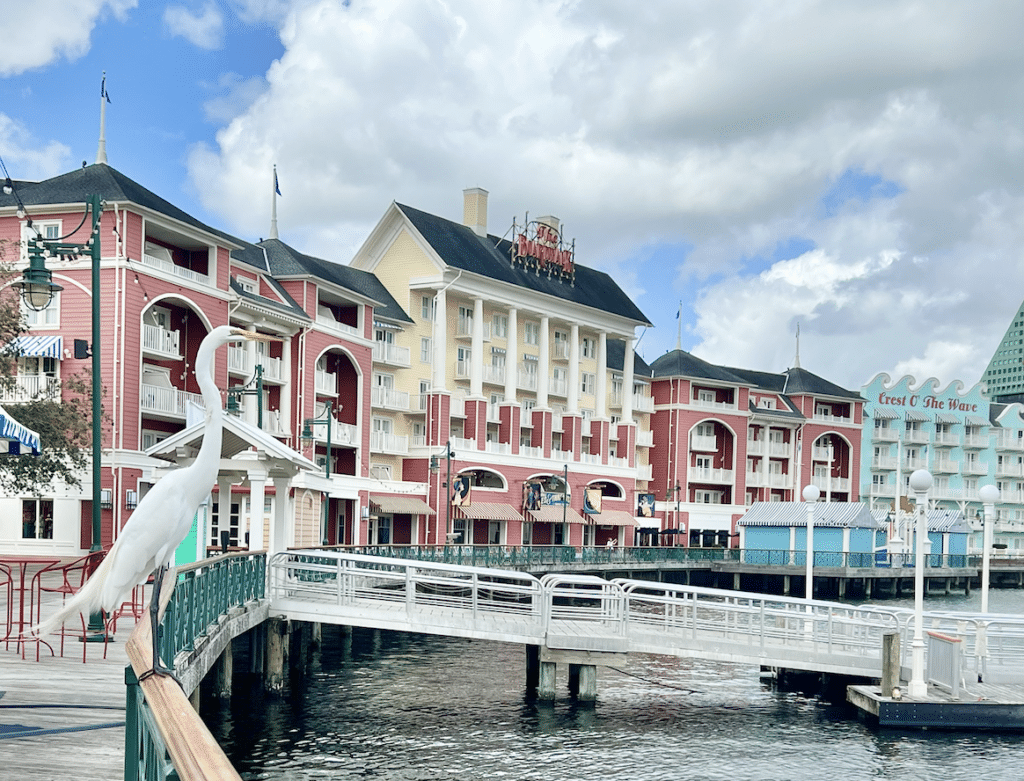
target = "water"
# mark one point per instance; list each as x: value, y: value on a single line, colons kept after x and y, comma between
x: 414, y: 707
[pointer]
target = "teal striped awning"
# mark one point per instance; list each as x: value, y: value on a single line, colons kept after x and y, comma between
x: 15, y: 439
x: 32, y: 346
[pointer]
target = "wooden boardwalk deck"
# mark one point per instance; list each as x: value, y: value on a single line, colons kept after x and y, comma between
x: 60, y: 718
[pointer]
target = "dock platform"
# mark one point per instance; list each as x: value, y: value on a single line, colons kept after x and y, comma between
x: 980, y: 706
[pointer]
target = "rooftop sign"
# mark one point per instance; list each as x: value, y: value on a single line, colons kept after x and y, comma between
x: 538, y: 246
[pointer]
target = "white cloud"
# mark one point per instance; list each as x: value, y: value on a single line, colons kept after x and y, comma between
x: 238, y: 94
x: 25, y: 157
x: 43, y: 31
x: 712, y: 126
x: 204, y: 29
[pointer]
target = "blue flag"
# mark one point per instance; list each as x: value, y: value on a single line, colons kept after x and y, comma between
x: 277, y: 187
x: 103, y: 88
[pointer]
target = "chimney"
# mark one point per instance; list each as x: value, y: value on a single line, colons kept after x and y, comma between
x: 552, y: 222
x: 474, y: 210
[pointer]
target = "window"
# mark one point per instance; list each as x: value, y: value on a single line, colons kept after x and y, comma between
x: 527, y: 533
x: 879, y: 481
x: 587, y: 383
x: 766, y: 403
x: 425, y: 350
x: 465, y: 321
x: 705, y: 430
x: 531, y: 333
x: 37, y: 519
x: 558, y: 381
x: 499, y: 324
x: 561, y: 344
x: 43, y: 317
x: 706, y: 396
x: 380, y: 531
x: 427, y: 307
x: 494, y: 532
x: 702, y: 463
x: 498, y: 362
x: 707, y: 497
x: 589, y: 347
x: 380, y: 471
x: 464, y: 358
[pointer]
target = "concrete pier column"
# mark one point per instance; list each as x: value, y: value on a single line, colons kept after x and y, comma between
x: 583, y: 682
x: 785, y: 585
x: 276, y: 650
x: 225, y: 672
x: 257, y: 637
x: 890, y: 662
x: 736, y: 582
x: 842, y: 588
x: 546, y: 681
x: 316, y: 637
x: 193, y: 699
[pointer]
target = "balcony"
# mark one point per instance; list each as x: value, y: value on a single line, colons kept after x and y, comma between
x: 531, y: 452
x: 498, y: 448
x: 381, y: 442
x: 642, y: 403
x: 886, y: 434
x: 462, y: 369
x: 389, y: 398
x: 645, y: 439
x: 884, y: 462
x: 465, y: 330
x: 945, y: 466
x: 770, y: 480
x: 622, y: 463
x: 238, y: 360
x: 1009, y: 470
x: 333, y: 325
x: 974, y: 468
x: 31, y: 386
x: 701, y: 475
x: 560, y: 352
x: 708, y: 404
x: 160, y: 342
x: 1009, y: 439
x: 976, y: 441
x: 915, y: 437
x: 704, y: 443
x: 527, y: 380
x: 167, y: 402
x: 644, y: 472
x: 391, y: 354
x: 755, y: 447
x: 914, y: 463
x: 558, y: 387
x: 326, y: 382
x: 181, y: 272
x: 819, y: 418
x: 946, y: 439
x: 823, y: 454
x: 590, y: 458
x: 495, y: 375
x: 839, y: 484
x: 886, y: 489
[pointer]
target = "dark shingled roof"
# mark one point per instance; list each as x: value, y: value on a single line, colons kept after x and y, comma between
x: 108, y: 183
x: 679, y: 363
x: 801, y: 381
x: 458, y: 246
x: 289, y: 305
x: 286, y: 261
x: 615, y: 357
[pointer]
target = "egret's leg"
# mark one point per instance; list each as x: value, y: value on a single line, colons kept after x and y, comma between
x: 154, y: 623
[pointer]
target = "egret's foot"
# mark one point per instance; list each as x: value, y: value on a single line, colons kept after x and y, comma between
x: 159, y: 669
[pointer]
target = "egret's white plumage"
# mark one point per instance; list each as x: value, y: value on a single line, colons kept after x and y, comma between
x: 164, y: 516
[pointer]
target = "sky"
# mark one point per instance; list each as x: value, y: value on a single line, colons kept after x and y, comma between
x: 742, y: 169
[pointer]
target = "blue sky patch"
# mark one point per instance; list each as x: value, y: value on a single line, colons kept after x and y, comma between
x: 856, y: 185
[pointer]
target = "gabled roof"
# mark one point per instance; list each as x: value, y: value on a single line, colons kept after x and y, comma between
x: 285, y: 261
x: 679, y: 363
x: 826, y: 514
x: 460, y: 247
x: 615, y: 358
x: 800, y: 381
x: 108, y: 183
x: 287, y: 304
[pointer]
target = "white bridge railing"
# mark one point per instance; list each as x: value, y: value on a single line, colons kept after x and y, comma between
x: 583, y: 612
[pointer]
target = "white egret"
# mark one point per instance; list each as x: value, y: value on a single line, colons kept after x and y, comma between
x: 163, y: 517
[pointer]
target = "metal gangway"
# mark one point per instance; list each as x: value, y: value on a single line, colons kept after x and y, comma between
x: 587, y: 613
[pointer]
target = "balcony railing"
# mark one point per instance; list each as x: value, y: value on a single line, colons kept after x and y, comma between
x: 31, y: 386
x: 238, y: 360
x: 500, y: 448
x: 945, y: 465
x: 385, y: 352
x: 1010, y: 470
x: 711, y: 404
x: 820, y: 418
x: 622, y: 463
x: 557, y: 387
x: 326, y: 382
x: 645, y: 439
x: 1009, y: 440
x: 465, y: 329
x: 947, y: 439
x: 334, y: 325
x: 495, y: 375
x: 915, y: 437
x: 770, y: 480
x: 381, y: 442
x: 160, y: 341
x: 527, y: 380
x: 389, y: 398
x: 178, y: 271
x: 823, y: 454
x: 642, y: 403
x: 974, y: 468
x: 701, y: 475
x: 886, y: 434
x: 644, y: 471
x: 560, y: 351
x: 704, y: 442
x: 976, y: 441
x: 168, y: 401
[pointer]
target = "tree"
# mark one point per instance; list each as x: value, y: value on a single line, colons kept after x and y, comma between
x: 61, y: 415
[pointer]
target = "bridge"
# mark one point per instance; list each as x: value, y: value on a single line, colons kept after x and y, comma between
x: 584, y: 620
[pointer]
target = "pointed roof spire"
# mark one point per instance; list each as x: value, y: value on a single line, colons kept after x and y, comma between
x: 796, y: 360
x: 273, y: 206
x: 101, y: 151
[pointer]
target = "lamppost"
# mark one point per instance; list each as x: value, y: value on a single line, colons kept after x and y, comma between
x: 989, y: 495
x: 37, y: 290
x: 307, y: 436
x: 811, y: 495
x: 256, y: 390
x: 434, y: 468
x: 565, y: 494
x: 667, y: 495
x: 920, y: 482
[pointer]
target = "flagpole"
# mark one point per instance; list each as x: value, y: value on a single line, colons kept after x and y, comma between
x: 273, y: 206
x: 101, y: 151
x: 679, y: 327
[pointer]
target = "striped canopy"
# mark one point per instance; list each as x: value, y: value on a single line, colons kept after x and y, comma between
x: 27, y: 441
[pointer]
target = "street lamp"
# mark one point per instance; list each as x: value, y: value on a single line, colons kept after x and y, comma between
x: 307, y: 436
x: 37, y: 290
x: 668, y: 493
x: 920, y: 482
x: 256, y: 390
x: 434, y: 468
x: 989, y: 495
x: 811, y: 495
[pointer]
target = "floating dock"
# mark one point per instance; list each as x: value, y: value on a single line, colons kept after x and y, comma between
x: 979, y: 706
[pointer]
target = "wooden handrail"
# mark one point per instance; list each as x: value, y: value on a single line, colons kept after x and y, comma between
x: 195, y: 753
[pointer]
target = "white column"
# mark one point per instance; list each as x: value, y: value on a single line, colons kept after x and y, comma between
x: 286, y: 376
x: 279, y: 536
x: 440, y: 340
x: 511, y: 354
x: 257, y: 498
x: 627, y: 382
x: 920, y: 482
x: 476, y: 367
x: 601, y: 388
x: 223, y: 507
x: 544, y: 361
x: 574, y: 368
x: 251, y: 402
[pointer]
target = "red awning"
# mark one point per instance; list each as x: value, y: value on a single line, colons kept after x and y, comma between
x: 400, y: 505
x: 478, y: 511
x: 552, y: 513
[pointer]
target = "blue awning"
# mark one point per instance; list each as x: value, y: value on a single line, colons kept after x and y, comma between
x: 23, y: 440
x: 40, y: 346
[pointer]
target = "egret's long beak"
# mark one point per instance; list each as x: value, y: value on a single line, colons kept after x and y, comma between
x: 252, y: 336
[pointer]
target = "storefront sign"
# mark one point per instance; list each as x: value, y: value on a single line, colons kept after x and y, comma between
x: 539, y: 247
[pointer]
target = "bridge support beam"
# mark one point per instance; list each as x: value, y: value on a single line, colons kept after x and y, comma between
x: 583, y: 682
x: 225, y: 671
x: 276, y: 650
x: 546, y: 681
